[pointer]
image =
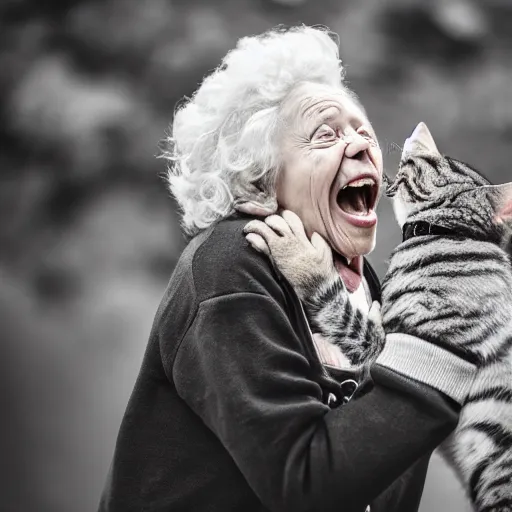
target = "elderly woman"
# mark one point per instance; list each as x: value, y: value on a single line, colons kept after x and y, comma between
x: 235, y: 408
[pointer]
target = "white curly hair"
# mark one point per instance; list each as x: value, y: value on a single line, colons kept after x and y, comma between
x: 222, y: 149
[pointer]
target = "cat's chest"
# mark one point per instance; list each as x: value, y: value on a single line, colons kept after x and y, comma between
x: 360, y: 298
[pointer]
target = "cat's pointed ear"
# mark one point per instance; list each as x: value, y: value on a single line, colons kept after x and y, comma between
x: 502, y: 197
x: 421, y: 137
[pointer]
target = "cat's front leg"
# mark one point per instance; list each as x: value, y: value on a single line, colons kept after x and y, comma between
x: 308, y: 266
x: 360, y: 336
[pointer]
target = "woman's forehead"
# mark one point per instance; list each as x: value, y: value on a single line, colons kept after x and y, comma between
x: 309, y: 100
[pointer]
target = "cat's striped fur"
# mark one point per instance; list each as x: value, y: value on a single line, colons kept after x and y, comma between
x: 359, y: 335
x: 453, y: 291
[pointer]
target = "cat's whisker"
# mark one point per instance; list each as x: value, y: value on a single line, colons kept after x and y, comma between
x: 392, y: 147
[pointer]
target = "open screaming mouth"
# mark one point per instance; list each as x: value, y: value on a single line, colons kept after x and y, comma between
x: 358, y: 197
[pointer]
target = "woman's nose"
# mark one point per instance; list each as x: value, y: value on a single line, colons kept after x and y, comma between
x: 357, y: 146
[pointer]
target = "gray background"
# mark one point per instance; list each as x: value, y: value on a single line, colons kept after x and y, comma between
x: 88, y: 234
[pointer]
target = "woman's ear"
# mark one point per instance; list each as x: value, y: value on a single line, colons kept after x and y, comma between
x: 255, y: 209
x: 256, y: 202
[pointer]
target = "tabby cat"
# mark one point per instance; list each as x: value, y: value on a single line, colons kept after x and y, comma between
x: 464, y: 227
x: 449, y: 282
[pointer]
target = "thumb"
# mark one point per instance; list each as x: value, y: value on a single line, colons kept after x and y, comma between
x: 319, y: 243
x: 321, y: 246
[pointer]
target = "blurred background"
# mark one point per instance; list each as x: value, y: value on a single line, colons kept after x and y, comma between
x: 88, y: 233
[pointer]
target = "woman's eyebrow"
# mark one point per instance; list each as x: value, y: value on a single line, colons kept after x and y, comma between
x: 326, y: 113
x: 328, y: 116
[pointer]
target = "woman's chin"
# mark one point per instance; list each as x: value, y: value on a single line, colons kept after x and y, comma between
x: 354, y: 243
x: 368, y: 245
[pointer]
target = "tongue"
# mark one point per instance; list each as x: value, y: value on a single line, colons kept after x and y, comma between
x: 351, y: 274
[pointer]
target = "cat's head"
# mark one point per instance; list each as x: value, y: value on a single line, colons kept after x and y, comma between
x: 440, y: 190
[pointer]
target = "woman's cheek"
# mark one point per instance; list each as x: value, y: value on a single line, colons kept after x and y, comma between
x: 329, y: 160
x: 378, y: 161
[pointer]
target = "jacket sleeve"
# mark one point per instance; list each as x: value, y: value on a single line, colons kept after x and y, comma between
x: 240, y: 368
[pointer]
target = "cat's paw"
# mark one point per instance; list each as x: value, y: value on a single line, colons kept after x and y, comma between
x: 374, y: 315
x: 305, y: 263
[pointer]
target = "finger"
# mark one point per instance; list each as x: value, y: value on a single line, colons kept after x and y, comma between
x: 324, y: 250
x: 296, y: 225
x: 278, y: 224
x: 374, y: 313
x: 318, y: 242
x: 254, y: 209
x: 258, y: 243
x: 260, y: 228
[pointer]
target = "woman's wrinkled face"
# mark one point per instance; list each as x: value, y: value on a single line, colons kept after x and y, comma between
x: 331, y: 167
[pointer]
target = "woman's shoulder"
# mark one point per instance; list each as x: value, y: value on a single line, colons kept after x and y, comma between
x: 222, y: 262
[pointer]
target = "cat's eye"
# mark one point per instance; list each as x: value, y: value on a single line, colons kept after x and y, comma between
x: 324, y: 133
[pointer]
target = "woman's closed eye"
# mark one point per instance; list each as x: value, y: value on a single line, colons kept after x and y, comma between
x: 324, y: 133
